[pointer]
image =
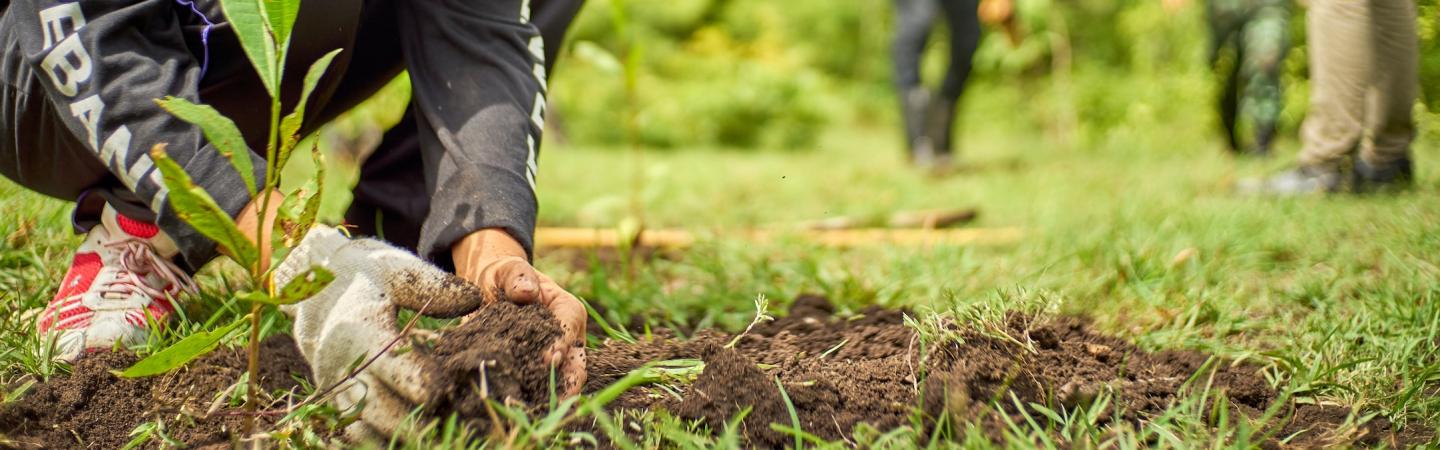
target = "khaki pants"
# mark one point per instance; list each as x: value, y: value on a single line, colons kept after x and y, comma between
x: 1364, y: 78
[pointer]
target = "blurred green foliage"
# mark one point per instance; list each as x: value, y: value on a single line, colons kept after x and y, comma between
x: 767, y: 74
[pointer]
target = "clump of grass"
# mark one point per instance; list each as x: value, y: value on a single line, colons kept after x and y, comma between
x: 762, y: 314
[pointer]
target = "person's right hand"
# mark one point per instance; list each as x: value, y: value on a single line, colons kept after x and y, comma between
x: 354, y: 318
x: 996, y: 12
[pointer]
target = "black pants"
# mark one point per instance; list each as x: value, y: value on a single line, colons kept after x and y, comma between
x: 391, y: 196
x: 914, y: 21
x: 419, y: 179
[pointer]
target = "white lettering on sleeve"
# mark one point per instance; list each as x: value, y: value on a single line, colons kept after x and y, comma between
x: 59, y: 64
x: 116, y: 150
x: 88, y: 111
x: 54, y: 29
x: 137, y: 172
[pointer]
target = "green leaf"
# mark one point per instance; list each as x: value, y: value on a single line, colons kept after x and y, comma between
x: 256, y: 297
x: 290, y: 125
x: 219, y: 130
x: 304, y: 286
x: 280, y: 16
x: 283, y: 236
x: 249, y: 23
x: 174, y: 356
x: 312, y: 205
x: 289, y: 209
x: 194, y: 206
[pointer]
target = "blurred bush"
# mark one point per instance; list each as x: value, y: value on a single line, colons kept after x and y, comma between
x: 775, y: 74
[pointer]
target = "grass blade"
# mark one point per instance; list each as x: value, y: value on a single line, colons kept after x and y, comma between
x: 174, y: 356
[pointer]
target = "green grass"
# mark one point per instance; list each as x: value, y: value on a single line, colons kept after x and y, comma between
x: 1340, y: 296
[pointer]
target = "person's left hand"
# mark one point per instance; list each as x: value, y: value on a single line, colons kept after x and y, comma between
x: 495, y: 262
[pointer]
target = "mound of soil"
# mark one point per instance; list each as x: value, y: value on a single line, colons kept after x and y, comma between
x: 92, y: 408
x: 837, y: 373
x: 841, y: 372
x: 495, y: 355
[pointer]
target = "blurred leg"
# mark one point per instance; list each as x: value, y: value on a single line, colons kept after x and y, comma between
x: 1224, y: 23
x: 1230, y: 100
x: 1395, y: 83
x: 964, y: 23
x: 1339, y: 76
x: 913, y: 19
x: 1265, y: 42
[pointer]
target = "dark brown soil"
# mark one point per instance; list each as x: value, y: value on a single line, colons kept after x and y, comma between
x: 92, y: 408
x: 872, y: 369
x: 837, y: 372
x: 495, y: 355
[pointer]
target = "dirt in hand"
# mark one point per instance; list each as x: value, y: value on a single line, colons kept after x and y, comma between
x: 495, y: 355
x: 871, y: 369
x: 92, y: 408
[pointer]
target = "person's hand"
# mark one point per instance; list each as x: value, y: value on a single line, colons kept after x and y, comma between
x: 996, y: 12
x: 354, y: 318
x: 495, y: 262
x: 1172, y: 6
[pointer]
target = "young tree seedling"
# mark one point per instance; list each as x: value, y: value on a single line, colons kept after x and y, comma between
x: 264, y: 31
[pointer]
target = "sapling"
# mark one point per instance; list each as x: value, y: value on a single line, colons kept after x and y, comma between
x: 762, y: 314
x: 264, y: 31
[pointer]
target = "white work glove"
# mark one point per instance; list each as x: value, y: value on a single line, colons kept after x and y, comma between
x: 355, y: 317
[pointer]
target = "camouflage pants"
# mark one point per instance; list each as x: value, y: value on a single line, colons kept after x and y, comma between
x: 1256, y: 33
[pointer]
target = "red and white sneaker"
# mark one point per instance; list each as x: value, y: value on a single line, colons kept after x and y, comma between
x: 121, y: 277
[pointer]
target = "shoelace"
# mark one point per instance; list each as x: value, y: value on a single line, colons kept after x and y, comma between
x: 137, y: 258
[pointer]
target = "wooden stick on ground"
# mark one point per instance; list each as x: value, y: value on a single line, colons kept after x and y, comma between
x: 673, y: 238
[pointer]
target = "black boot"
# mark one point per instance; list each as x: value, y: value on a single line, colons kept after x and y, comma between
x: 1374, y: 178
x: 915, y: 105
x: 939, y: 126
x: 1264, y: 136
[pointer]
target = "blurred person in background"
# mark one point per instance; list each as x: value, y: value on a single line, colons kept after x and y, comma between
x: 1364, y: 81
x: 1256, y: 33
x: 929, y: 116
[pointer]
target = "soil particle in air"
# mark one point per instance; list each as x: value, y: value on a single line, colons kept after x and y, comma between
x: 92, y: 408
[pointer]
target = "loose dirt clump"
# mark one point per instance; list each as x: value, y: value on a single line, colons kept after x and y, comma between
x: 871, y: 369
x: 495, y: 355
x: 92, y: 408
x: 729, y: 384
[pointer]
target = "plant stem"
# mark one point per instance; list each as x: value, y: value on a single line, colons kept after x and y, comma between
x: 272, y: 183
x: 257, y: 274
x: 253, y: 368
